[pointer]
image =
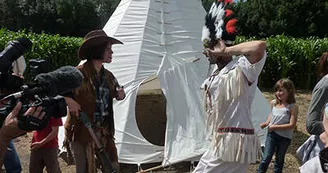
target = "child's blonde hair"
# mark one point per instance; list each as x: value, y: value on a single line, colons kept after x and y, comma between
x: 289, y: 85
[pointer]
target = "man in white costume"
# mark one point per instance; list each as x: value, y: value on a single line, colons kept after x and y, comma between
x: 229, y: 92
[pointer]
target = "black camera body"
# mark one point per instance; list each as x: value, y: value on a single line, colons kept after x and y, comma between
x: 29, y: 95
x: 38, y: 66
x: 9, y: 82
x: 52, y: 106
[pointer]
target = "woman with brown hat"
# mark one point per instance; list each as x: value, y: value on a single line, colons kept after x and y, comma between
x: 95, y: 98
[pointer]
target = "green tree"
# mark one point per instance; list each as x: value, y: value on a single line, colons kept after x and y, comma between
x: 77, y: 17
x: 9, y: 12
x: 299, y: 18
x: 37, y: 15
x: 105, y: 9
x: 64, y: 17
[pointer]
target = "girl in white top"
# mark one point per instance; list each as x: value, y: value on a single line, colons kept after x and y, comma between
x: 281, y: 123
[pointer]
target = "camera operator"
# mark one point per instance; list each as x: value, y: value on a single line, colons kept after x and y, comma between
x: 10, y: 127
x: 43, y: 93
x: 11, y: 161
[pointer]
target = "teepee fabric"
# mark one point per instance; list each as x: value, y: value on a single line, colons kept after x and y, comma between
x: 160, y: 37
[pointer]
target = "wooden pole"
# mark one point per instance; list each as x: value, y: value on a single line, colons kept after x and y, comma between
x: 150, y: 169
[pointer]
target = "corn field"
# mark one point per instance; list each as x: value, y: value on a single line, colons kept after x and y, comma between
x: 287, y: 57
x: 293, y: 58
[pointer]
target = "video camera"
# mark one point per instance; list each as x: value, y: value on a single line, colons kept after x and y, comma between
x: 43, y: 91
x: 52, y: 106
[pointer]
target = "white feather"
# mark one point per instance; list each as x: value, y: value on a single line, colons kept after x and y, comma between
x: 219, y: 20
x: 205, y: 33
x: 220, y: 23
x: 218, y: 11
x: 214, y: 11
x: 217, y: 27
x: 212, y: 8
x: 219, y: 33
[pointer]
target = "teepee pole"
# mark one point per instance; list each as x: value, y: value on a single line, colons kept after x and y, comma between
x: 150, y: 169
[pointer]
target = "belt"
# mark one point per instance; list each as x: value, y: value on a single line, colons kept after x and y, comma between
x: 235, y: 130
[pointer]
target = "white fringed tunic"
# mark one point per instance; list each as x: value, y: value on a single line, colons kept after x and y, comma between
x: 228, y: 97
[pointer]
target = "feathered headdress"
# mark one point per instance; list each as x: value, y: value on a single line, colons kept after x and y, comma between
x: 219, y: 23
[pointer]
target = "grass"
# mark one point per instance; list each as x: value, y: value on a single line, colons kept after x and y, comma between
x: 291, y: 163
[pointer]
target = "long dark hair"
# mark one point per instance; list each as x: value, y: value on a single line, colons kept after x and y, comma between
x: 289, y: 85
x: 323, y: 65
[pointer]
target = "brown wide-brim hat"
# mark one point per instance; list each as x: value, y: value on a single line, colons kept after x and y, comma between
x: 94, y: 38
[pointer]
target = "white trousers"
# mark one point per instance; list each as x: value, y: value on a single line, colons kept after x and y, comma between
x: 211, y: 164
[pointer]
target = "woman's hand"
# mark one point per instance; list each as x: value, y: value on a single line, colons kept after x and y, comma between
x: 120, y: 93
x: 73, y: 106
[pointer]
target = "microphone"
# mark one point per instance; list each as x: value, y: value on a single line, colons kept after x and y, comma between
x: 60, y: 81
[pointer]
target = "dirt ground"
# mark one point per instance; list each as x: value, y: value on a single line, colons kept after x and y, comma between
x: 291, y: 164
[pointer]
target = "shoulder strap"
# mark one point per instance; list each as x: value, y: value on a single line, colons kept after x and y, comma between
x: 290, y: 105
